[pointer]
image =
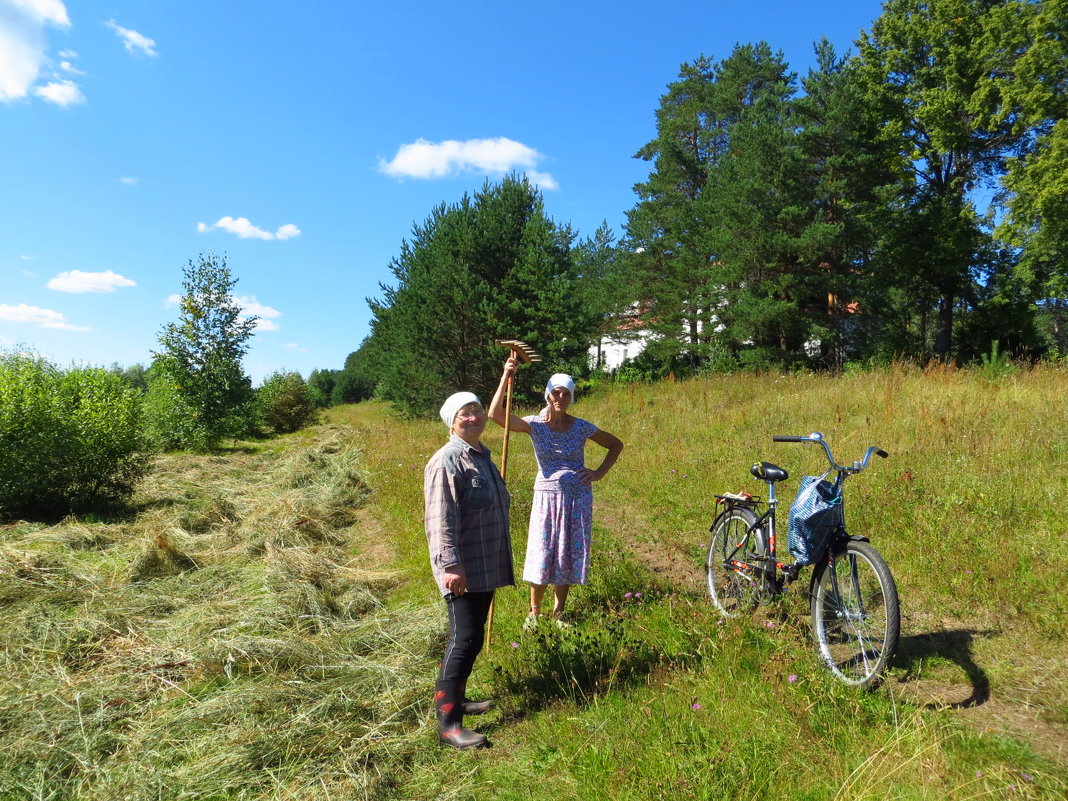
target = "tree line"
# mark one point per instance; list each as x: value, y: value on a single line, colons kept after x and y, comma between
x: 903, y: 201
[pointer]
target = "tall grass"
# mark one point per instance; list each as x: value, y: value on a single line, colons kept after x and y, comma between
x: 266, y: 627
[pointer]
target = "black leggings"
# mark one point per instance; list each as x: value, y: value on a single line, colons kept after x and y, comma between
x: 467, y: 632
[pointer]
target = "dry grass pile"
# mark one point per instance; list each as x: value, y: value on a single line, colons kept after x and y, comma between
x: 221, y: 644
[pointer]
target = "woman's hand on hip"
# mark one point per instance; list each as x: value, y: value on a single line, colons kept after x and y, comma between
x: 587, y: 476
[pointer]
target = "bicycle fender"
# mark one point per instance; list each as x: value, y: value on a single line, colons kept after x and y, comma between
x: 837, y: 547
x: 718, y: 517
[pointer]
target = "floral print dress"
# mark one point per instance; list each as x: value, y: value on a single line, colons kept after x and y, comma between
x: 561, y: 520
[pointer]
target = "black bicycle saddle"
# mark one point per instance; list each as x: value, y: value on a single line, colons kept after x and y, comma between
x: 766, y: 471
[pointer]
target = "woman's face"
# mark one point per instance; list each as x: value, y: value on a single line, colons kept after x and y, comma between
x: 559, y: 399
x: 469, y: 422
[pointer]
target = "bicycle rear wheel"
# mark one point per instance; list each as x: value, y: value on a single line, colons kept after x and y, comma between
x: 855, y: 615
x: 733, y: 590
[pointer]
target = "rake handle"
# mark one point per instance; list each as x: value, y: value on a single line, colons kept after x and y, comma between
x: 507, y: 418
x: 504, y: 471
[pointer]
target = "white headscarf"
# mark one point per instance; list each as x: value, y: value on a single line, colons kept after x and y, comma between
x: 561, y: 380
x: 454, y: 403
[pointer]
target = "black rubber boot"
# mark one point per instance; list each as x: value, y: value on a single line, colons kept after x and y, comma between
x: 473, y: 707
x: 477, y: 707
x: 448, y: 699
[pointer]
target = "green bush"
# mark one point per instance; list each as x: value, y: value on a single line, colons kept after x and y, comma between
x: 69, y: 441
x: 284, y: 403
x: 170, y: 423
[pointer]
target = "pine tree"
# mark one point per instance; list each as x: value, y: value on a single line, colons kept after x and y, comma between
x: 492, y: 266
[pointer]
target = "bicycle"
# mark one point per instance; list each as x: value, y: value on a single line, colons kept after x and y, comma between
x: 853, y: 600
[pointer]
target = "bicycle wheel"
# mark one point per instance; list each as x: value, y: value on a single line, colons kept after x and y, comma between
x: 733, y: 590
x: 855, y: 616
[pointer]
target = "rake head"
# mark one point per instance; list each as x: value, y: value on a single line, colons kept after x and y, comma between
x: 520, y: 349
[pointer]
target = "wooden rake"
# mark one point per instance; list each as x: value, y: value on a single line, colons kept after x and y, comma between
x: 524, y: 353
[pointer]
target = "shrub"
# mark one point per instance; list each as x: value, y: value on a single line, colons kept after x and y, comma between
x: 69, y: 441
x: 170, y: 423
x: 284, y: 403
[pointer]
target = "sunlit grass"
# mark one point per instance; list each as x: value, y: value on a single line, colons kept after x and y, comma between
x: 265, y: 626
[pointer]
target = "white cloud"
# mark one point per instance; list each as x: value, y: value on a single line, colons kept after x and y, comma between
x: 246, y: 230
x: 542, y: 179
x: 424, y: 159
x: 132, y: 40
x: 250, y: 307
x: 294, y: 347
x: 66, y: 66
x: 22, y: 42
x: 62, y: 93
x: 42, y: 318
x: 78, y: 281
x: 128, y: 180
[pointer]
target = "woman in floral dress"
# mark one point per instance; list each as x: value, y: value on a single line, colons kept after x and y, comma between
x: 561, y: 519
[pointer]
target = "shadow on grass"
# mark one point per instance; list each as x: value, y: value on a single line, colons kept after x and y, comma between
x: 953, y: 646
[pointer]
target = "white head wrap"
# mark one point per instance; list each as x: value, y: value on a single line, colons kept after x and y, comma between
x: 561, y: 380
x: 454, y: 403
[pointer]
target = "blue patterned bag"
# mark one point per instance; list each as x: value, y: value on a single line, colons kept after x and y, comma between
x: 814, y: 515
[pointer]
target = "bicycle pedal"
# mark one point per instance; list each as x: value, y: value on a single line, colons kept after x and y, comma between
x: 790, y: 574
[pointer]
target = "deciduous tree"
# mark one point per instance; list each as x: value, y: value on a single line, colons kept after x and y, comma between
x: 200, y: 354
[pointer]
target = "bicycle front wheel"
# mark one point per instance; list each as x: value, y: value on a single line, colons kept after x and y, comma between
x: 734, y: 589
x: 855, y: 616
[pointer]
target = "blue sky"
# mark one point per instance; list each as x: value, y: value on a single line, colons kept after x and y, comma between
x: 304, y: 141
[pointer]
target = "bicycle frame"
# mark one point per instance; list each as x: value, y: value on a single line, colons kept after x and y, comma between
x: 766, y: 523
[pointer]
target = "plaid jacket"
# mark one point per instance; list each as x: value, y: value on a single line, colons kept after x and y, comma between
x: 466, y: 516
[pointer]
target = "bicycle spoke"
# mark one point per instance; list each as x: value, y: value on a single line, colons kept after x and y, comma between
x: 855, y: 628
x: 734, y: 540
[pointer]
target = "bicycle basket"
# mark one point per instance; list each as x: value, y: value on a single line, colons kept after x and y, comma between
x: 814, y: 515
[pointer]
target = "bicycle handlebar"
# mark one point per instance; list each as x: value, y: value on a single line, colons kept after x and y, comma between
x: 817, y: 438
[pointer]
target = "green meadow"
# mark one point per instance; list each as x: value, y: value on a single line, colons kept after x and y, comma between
x: 261, y: 623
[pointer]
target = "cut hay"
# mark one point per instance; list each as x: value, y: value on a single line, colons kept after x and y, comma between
x: 223, y: 644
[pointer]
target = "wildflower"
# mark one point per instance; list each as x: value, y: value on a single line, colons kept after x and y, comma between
x: 637, y: 595
x: 1027, y: 777
x: 628, y: 595
x: 978, y: 774
x: 515, y: 645
x: 792, y: 678
x: 769, y: 624
x: 969, y: 572
x: 695, y: 707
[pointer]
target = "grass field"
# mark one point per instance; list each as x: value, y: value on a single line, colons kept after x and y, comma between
x: 262, y: 625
